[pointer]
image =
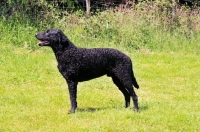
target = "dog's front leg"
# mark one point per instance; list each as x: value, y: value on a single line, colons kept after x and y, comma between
x: 72, y: 86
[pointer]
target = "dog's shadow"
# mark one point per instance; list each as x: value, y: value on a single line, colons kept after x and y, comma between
x: 90, y: 109
x: 143, y: 108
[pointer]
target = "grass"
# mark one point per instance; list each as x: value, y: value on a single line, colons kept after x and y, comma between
x: 34, y: 96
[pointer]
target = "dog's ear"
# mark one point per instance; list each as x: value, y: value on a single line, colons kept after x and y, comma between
x: 60, y: 40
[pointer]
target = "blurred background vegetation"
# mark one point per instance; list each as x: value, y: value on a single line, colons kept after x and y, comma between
x: 133, y: 25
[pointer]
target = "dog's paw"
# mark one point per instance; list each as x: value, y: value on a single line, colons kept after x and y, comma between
x: 71, y: 112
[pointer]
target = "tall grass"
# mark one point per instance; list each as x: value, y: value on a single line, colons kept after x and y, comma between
x: 147, y: 26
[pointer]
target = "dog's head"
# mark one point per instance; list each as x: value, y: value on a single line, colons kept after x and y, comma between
x: 50, y: 37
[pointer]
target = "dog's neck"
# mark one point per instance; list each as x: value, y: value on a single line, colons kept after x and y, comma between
x: 59, y: 50
x: 70, y: 45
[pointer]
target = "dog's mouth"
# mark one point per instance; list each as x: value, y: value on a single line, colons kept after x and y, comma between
x: 44, y: 43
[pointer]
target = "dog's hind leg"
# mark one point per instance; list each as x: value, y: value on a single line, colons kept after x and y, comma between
x: 135, y: 101
x: 124, y: 83
x: 123, y: 90
x: 72, y: 86
x: 133, y: 96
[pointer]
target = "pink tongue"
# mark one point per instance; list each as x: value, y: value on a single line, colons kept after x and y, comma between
x: 40, y: 42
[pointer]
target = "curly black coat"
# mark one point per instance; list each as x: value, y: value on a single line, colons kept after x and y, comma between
x: 81, y: 64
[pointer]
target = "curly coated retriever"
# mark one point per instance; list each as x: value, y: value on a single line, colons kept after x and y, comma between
x: 81, y: 64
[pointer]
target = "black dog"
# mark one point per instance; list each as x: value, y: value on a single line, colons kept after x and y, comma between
x: 81, y: 64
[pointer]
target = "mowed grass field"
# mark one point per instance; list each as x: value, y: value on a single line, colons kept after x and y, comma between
x: 34, y: 96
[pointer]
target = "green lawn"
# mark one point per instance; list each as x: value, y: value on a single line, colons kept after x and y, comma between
x: 34, y: 96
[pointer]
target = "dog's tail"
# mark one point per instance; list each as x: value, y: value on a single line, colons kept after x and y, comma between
x: 135, y: 84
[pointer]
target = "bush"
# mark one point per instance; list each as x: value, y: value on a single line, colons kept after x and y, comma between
x: 149, y: 25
